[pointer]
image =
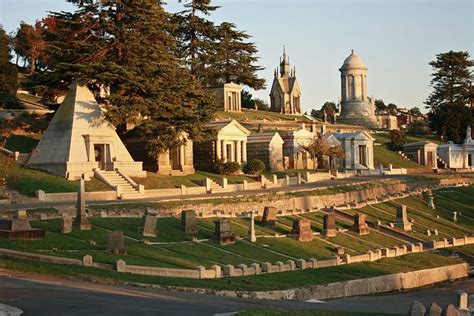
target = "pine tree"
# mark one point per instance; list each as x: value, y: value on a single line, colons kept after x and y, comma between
x: 126, y: 47
x: 196, y: 36
x: 452, y: 78
x: 235, y: 59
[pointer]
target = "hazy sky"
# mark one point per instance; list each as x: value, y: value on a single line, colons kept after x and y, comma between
x: 395, y: 38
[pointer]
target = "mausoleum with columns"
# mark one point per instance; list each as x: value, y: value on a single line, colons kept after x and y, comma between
x: 227, y: 143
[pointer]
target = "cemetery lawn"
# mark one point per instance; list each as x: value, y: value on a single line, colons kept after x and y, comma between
x: 22, y: 144
x: 27, y: 181
x: 384, y: 155
x: 258, y: 115
x: 156, y: 181
x: 263, y: 282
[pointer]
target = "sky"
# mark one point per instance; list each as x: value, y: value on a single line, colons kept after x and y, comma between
x: 395, y: 38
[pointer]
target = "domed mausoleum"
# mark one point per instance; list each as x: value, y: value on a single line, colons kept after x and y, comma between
x: 356, y: 107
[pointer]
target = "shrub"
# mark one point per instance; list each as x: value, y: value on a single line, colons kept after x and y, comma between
x: 219, y: 167
x: 254, y: 166
x: 231, y: 168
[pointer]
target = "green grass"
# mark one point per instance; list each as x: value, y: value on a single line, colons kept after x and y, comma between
x: 259, y: 115
x: 264, y: 282
x: 384, y: 155
x: 27, y: 181
x: 156, y: 181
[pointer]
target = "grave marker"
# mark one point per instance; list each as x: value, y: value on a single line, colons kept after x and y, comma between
x: 115, y: 243
x: 81, y: 222
x: 269, y: 216
x: 188, y: 222
x: 302, y: 230
x: 402, y: 219
x: 148, y: 226
x: 222, y: 232
x: 329, y: 227
x: 360, y: 226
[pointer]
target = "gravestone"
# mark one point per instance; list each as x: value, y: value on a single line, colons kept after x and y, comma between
x: 19, y: 228
x: 428, y: 232
x: 148, y: 226
x: 455, y: 217
x: 115, y: 243
x: 360, y: 226
x: 81, y: 222
x: 431, y: 202
x: 302, y: 230
x: 222, y: 232
x: 21, y: 214
x: 269, y: 216
x: 251, y: 233
x: 188, y: 222
x: 66, y: 224
x: 451, y: 311
x: 436, y: 232
x: 329, y: 227
x: 340, y: 251
x: 463, y: 300
x: 435, y: 310
x: 417, y: 309
x: 401, y: 220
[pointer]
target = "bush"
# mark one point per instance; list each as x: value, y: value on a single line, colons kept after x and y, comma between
x: 231, y: 168
x: 397, y: 139
x: 254, y: 166
x: 219, y: 167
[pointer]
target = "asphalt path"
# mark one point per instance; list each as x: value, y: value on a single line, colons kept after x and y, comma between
x: 306, y: 186
x: 43, y: 295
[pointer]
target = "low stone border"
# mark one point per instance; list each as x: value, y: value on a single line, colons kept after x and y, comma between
x: 217, y: 271
x: 376, y: 285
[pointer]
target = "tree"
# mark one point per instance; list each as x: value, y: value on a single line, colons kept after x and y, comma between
x: 8, y: 73
x: 126, y: 47
x: 234, y: 59
x: 29, y: 44
x: 380, y: 105
x: 415, y: 111
x: 317, y: 149
x: 397, y: 139
x: 448, y: 103
x: 196, y: 36
x: 335, y: 152
x: 392, y: 108
x: 249, y: 102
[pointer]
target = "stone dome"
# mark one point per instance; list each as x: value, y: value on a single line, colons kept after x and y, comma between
x: 353, y: 62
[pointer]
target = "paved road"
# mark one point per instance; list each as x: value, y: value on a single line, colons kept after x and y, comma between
x: 41, y: 295
x: 309, y: 186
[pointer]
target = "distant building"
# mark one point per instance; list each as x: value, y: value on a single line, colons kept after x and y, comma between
x: 423, y: 153
x: 229, y: 97
x: 294, y: 156
x: 285, y: 94
x: 358, y: 148
x: 227, y: 143
x: 458, y: 156
x: 79, y: 141
x: 387, y: 121
x: 175, y: 161
x: 356, y: 107
x: 267, y: 147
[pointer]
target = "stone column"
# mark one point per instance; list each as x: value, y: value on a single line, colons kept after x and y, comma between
x: 244, y: 151
x: 182, y: 152
x: 238, y: 149
x: 252, y: 237
x: 218, y: 150
x: 232, y: 152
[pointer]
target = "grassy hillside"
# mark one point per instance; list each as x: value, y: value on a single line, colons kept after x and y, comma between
x: 260, y: 115
x: 384, y: 155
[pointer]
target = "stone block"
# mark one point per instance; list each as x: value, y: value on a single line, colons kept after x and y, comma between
x: 451, y: 311
x: 348, y: 258
x: 188, y: 222
x: 229, y: 270
x: 280, y: 265
x: 435, y: 310
x: 87, y: 261
x: 417, y: 309
x: 218, y: 270
x: 66, y: 224
x: 267, y: 267
x: 120, y: 266
x: 115, y: 243
x: 202, y: 272
x: 269, y: 216
x: 292, y: 264
x: 222, y: 232
x: 301, y: 264
x: 313, y: 262
x: 462, y: 302
x: 257, y: 268
x: 329, y: 226
x: 302, y: 230
x: 148, y: 226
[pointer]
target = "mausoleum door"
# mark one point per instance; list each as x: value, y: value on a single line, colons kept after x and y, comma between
x: 430, y: 159
x: 102, y: 155
x: 469, y: 160
x: 175, y: 158
x: 363, y: 155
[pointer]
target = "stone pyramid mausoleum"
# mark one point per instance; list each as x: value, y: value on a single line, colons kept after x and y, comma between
x: 79, y: 140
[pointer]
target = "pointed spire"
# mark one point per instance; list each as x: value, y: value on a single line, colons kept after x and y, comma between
x: 352, y: 51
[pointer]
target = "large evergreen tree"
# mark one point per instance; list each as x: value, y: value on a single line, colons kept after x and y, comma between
x: 196, y: 35
x: 8, y: 73
x: 28, y: 44
x: 127, y: 47
x: 449, y: 102
x: 235, y: 58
